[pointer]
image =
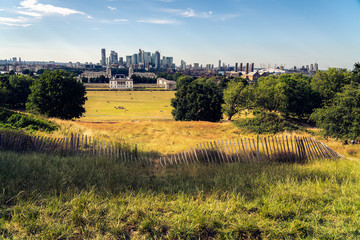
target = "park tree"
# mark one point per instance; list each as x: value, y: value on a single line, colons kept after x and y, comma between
x: 57, y: 94
x: 19, y: 91
x: 356, y: 69
x: 197, y: 100
x: 269, y: 94
x: 328, y: 83
x: 234, y: 98
x: 300, y: 99
x: 340, y: 117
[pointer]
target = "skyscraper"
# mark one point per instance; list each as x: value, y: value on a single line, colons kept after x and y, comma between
x: 103, y: 57
x: 219, y: 63
x: 157, y: 60
x: 316, y: 67
x: 113, y: 58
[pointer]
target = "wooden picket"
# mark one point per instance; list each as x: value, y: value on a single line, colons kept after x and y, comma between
x: 257, y: 150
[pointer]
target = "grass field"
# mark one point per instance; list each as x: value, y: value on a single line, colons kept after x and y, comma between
x: 47, y: 197
x: 53, y: 197
x: 128, y: 105
x: 161, y: 134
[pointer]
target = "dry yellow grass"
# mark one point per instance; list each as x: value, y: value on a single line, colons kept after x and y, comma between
x: 165, y: 137
x: 128, y: 105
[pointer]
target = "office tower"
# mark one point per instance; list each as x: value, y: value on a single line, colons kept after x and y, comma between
x: 316, y: 67
x: 219, y: 63
x: 183, y: 65
x: 247, y: 68
x: 147, y: 58
x: 236, y: 67
x: 103, y: 57
x: 135, y: 59
x: 157, y: 60
x: 311, y: 67
x: 121, y: 61
x: 252, y: 67
x: 196, y: 66
x: 241, y: 67
x: 113, y: 59
x: 129, y: 60
x: 140, y: 57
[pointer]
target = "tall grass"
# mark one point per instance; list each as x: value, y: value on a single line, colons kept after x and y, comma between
x: 47, y: 197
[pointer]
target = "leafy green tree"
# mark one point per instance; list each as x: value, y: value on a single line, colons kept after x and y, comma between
x: 340, y: 117
x: 270, y: 94
x: 301, y: 100
x: 356, y: 68
x: 197, y: 100
x: 57, y: 94
x: 328, y: 83
x: 234, y: 98
x: 19, y: 91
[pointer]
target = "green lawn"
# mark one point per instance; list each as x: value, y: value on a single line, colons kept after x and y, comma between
x: 128, y: 105
x: 46, y: 197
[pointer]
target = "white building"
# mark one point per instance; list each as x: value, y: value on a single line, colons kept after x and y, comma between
x: 119, y: 81
x: 167, y: 84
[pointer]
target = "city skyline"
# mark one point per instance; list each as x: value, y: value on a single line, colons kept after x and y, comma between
x: 264, y: 32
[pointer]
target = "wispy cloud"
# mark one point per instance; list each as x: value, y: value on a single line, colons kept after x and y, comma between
x: 229, y: 16
x: 112, y: 8
x: 31, y: 14
x: 121, y: 20
x: 47, y: 9
x: 187, y: 12
x: 2, y: 9
x: 158, y: 21
x: 19, y: 21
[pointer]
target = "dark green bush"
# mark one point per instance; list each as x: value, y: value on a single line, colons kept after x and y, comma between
x: 265, y: 122
x: 13, y: 120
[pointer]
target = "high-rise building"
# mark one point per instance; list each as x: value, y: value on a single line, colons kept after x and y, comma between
x: 157, y: 60
x: 121, y: 61
x: 241, y: 67
x: 129, y: 60
x: 183, y: 65
x: 311, y: 67
x: 103, y: 57
x: 316, y: 67
x: 135, y: 59
x: 219, y: 63
x: 113, y: 59
x: 236, y: 67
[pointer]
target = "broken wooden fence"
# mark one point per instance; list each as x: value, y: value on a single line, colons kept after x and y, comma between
x: 260, y: 149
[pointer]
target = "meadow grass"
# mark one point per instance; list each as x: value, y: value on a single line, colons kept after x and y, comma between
x: 128, y: 105
x: 47, y: 197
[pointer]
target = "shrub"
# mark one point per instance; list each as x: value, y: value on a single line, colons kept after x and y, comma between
x: 265, y: 122
x: 13, y: 120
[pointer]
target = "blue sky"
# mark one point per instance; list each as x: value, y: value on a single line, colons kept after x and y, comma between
x: 260, y: 31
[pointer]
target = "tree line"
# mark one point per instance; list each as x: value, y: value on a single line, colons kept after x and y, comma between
x: 53, y: 94
x: 330, y: 99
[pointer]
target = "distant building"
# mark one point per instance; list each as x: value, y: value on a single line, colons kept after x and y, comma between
x: 103, y: 57
x: 145, y: 74
x: 120, y: 81
x: 157, y: 60
x: 252, y: 77
x: 113, y: 58
x: 167, y: 84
